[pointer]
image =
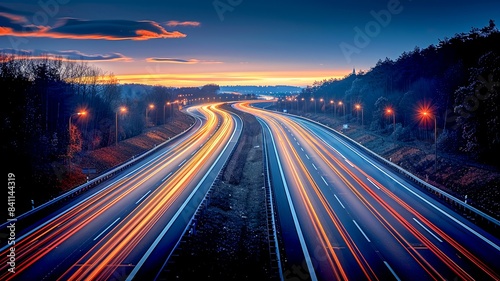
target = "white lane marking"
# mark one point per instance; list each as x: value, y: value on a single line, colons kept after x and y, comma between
x: 324, y: 181
x: 300, y: 235
x: 165, y: 178
x: 349, y: 162
x: 426, y: 229
x: 339, y: 201
x: 307, y: 156
x: 392, y: 271
x: 315, y: 168
x: 140, y: 199
x: 97, y: 237
x: 298, y: 143
x: 301, y: 149
x: 179, y: 211
x: 477, y: 234
x: 361, y: 230
x: 373, y: 183
x: 182, y: 163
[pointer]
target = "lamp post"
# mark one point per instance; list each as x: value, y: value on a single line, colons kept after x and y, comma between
x: 393, y: 113
x: 151, y: 106
x: 80, y: 113
x: 358, y: 107
x: 343, y: 108
x: 426, y: 114
x: 122, y: 109
x: 333, y: 105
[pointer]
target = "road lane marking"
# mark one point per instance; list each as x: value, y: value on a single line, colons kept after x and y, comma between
x: 392, y: 271
x: 315, y: 168
x: 143, y: 197
x: 179, y: 210
x: 426, y: 229
x: 307, y: 156
x: 182, y: 163
x: 339, y: 201
x: 373, y: 183
x: 449, y: 216
x: 349, y: 162
x: 298, y: 143
x: 362, y: 232
x: 301, y: 149
x: 97, y: 237
x: 295, y: 219
x: 165, y: 178
x: 324, y: 181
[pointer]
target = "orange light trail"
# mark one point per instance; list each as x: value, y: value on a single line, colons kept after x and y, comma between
x: 50, y: 236
x: 102, y: 260
x: 326, y: 155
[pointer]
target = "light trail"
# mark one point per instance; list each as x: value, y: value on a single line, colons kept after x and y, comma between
x: 37, y: 244
x: 319, y: 148
x: 102, y: 260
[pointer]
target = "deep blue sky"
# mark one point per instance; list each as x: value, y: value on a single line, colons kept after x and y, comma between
x: 268, y: 42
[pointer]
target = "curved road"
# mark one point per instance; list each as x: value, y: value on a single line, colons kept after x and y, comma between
x: 345, y: 216
x: 129, y: 225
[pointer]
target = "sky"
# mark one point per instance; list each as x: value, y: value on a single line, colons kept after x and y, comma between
x: 182, y: 43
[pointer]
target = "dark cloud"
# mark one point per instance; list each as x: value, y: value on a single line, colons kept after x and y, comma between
x: 111, y: 30
x: 68, y: 55
x: 13, y: 23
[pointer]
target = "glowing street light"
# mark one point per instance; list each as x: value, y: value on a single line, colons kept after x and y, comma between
x: 80, y: 113
x: 358, y: 107
x: 151, y: 106
x: 122, y: 110
x: 425, y: 114
x: 390, y: 111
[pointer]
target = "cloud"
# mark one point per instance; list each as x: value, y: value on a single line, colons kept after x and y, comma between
x: 110, y: 30
x: 183, y: 23
x: 181, y: 61
x: 67, y: 55
x: 14, y: 23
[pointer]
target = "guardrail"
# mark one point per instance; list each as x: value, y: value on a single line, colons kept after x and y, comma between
x: 91, y: 183
x: 448, y: 198
x: 272, y: 216
x: 190, y: 228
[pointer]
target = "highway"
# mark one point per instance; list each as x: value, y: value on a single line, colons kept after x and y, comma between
x: 128, y: 226
x: 345, y: 216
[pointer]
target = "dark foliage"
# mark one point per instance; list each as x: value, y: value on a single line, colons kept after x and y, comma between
x: 458, y: 81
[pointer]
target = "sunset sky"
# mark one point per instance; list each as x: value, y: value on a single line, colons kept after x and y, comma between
x: 233, y: 42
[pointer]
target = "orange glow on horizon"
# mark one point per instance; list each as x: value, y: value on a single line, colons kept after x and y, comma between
x: 269, y: 78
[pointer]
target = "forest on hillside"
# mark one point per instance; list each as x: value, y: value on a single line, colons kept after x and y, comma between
x: 456, y: 82
x: 53, y: 110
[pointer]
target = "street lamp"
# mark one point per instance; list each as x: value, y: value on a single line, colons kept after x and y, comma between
x: 312, y: 99
x: 343, y: 108
x: 333, y: 105
x: 322, y: 100
x: 389, y: 110
x: 80, y: 113
x: 426, y: 114
x: 122, y: 109
x: 151, y: 106
x: 358, y: 107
